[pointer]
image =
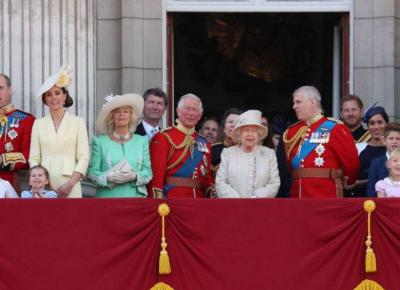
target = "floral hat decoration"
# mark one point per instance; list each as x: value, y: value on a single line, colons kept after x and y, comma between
x: 62, y: 79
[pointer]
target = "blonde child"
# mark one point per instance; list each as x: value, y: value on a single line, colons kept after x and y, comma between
x: 390, y: 186
x: 39, y: 182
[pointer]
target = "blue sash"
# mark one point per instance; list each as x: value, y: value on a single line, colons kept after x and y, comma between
x: 307, y: 147
x: 190, y: 164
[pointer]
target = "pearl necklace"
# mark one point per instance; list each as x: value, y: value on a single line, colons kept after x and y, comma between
x: 121, y: 137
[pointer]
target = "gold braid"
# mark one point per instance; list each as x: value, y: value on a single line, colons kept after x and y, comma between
x: 290, y: 143
x: 188, y: 145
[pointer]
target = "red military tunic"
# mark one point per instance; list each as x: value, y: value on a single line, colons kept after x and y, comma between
x: 170, y: 150
x: 336, y: 150
x: 15, y: 141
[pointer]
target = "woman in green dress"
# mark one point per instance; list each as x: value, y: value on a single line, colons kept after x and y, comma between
x: 120, y: 164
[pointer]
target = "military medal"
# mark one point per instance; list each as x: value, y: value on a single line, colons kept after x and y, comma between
x: 12, y: 123
x: 9, y: 147
x: 16, y: 125
x: 205, y: 161
x: 12, y: 134
x: 319, y: 161
x: 202, y: 147
x: 203, y: 170
x: 320, y: 137
x: 320, y: 149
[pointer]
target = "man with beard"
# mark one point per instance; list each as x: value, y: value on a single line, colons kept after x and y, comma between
x: 351, y: 112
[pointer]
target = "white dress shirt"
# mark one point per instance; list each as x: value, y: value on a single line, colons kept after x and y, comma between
x: 150, y: 130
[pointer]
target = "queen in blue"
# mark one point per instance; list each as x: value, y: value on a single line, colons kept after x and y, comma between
x: 120, y: 164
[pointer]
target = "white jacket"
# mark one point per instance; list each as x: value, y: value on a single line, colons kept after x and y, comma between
x: 244, y: 175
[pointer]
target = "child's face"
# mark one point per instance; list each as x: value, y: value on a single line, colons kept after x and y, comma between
x: 38, y: 178
x: 392, y: 141
x: 394, y: 165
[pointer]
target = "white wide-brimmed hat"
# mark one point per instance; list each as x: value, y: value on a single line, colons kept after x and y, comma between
x: 62, y: 79
x: 250, y: 118
x: 134, y: 101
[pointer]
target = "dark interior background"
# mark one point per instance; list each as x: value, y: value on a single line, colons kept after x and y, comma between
x: 253, y: 60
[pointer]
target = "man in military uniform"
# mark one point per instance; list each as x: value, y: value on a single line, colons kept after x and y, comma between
x: 321, y: 153
x: 351, y: 112
x: 15, y: 135
x: 181, y: 158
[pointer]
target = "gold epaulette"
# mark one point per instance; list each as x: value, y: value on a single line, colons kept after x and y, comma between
x: 364, y: 138
x: 337, y: 121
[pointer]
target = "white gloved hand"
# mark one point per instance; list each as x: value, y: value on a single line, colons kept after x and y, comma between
x: 113, y: 176
x: 128, y: 176
x: 121, y: 177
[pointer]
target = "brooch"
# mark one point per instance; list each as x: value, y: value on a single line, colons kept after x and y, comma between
x: 9, y: 146
x: 319, y: 161
x: 12, y: 134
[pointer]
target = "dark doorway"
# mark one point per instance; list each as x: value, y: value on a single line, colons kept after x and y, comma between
x: 252, y: 61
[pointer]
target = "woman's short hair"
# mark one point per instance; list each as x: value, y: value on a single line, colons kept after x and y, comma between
x: 230, y: 111
x: 191, y: 96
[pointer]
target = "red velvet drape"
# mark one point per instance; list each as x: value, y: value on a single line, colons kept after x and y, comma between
x: 212, y: 244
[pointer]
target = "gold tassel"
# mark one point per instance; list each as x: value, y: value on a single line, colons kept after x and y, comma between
x: 370, y: 259
x: 369, y: 285
x: 164, y: 266
x: 161, y: 286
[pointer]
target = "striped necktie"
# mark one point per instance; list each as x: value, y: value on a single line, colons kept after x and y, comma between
x: 153, y: 132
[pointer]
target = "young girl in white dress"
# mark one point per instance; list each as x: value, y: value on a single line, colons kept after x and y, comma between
x: 39, y: 182
x: 390, y: 186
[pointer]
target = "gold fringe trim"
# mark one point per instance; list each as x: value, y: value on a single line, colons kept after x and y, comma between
x: 370, y: 259
x: 161, y: 286
x: 297, y: 138
x: 187, y: 144
x: 164, y: 266
x: 369, y: 285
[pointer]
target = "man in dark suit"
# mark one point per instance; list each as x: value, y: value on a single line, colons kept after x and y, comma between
x: 155, y: 103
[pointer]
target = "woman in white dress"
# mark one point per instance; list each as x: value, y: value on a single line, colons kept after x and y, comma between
x: 59, y: 140
x: 248, y: 170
